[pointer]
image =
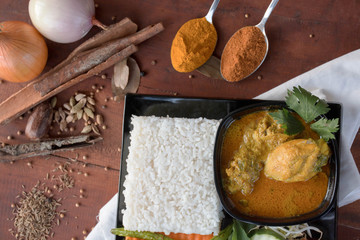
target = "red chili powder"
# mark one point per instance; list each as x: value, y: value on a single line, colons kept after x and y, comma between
x: 243, y: 53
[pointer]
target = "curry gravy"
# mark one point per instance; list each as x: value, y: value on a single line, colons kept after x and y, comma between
x: 268, y: 197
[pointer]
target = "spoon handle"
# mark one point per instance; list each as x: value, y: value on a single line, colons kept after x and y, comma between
x: 210, y: 14
x: 271, y: 7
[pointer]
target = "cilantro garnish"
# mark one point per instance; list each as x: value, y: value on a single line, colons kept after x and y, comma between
x: 309, y: 107
x: 305, y: 104
x: 290, y: 123
x: 326, y: 127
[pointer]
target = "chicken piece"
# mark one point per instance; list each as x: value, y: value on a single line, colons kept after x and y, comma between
x: 297, y: 160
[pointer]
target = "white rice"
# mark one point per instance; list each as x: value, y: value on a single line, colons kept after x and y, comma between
x: 170, y: 184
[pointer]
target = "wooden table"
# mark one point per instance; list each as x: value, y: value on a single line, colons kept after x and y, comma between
x: 333, y: 25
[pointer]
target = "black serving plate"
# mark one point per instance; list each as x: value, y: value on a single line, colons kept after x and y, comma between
x: 162, y: 106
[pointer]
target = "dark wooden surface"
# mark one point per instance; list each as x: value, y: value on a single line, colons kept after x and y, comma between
x: 335, y: 26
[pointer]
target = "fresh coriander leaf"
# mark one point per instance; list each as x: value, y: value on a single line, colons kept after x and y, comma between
x: 224, y: 234
x: 239, y: 232
x: 326, y: 127
x: 287, y: 121
x: 305, y: 104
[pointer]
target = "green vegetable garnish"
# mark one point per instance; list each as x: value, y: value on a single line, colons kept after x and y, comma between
x: 305, y: 104
x: 224, y: 234
x: 143, y: 235
x: 325, y: 128
x: 290, y: 123
x: 309, y: 107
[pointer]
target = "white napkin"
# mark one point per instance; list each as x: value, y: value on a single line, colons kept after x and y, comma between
x: 336, y: 81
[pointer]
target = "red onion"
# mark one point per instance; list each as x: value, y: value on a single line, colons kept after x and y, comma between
x: 63, y: 21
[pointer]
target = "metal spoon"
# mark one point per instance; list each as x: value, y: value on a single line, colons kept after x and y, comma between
x: 212, y: 9
x: 261, y: 26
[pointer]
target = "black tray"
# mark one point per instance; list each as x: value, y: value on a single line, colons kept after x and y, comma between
x: 162, y: 106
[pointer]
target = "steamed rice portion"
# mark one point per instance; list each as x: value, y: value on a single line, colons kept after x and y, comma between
x: 170, y: 184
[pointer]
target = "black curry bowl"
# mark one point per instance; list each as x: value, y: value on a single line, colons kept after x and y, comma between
x: 328, y: 202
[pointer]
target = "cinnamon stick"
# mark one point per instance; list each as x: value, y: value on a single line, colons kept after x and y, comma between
x: 117, y: 30
x: 87, y: 61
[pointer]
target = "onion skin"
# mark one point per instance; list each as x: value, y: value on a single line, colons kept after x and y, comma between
x: 62, y: 21
x: 23, y: 52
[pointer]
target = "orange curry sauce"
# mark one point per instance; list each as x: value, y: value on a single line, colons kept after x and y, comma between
x: 271, y: 198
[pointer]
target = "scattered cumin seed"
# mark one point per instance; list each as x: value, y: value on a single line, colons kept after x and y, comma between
x: 103, y: 76
x: 246, y: 15
x: 9, y: 137
x: 191, y: 76
x: 84, y: 232
x: 12, y: 205
x: 77, y: 204
x: 259, y: 77
x: 34, y: 215
x: 311, y: 35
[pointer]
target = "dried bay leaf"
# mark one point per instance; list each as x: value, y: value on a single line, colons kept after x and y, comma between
x: 121, y: 74
x: 133, y: 81
x: 211, y: 68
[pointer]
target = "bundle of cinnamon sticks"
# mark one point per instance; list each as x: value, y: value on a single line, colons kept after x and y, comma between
x: 96, y: 54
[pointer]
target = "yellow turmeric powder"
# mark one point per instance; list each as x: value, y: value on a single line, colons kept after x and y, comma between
x: 193, y: 45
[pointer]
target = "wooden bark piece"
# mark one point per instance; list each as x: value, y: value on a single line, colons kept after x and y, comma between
x: 14, y: 152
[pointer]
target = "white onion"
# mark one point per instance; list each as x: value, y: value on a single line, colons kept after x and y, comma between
x: 62, y: 21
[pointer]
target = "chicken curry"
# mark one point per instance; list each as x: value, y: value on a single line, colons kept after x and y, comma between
x: 268, y: 173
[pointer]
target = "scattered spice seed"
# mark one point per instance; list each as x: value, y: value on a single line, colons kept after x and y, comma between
x: 36, y: 210
x: 191, y: 76
x: 246, y: 15
x: 106, y: 168
x: 96, y: 5
x: 259, y: 77
x: 101, y: 87
x: 311, y: 35
x: 11, y: 162
x: 81, y: 196
x: 84, y: 232
x: 21, y: 117
x: 142, y: 74
x: 12, y: 205
x: 9, y: 137
x: 77, y: 204
x: 103, y: 106
x: 104, y: 127
x: 84, y: 157
x: 113, y: 18
x: 153, y: 62
x: 62, y: 215
x: 29, y: 164
x: 119, y: 149
x: 19, y: 132
x: 74, y: 238
x: 81, y: 190
x: 106, y: 100
x: 86, y: 174
x: 103, y: 76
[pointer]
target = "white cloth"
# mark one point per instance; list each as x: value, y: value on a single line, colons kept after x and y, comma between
x: 336, y: 81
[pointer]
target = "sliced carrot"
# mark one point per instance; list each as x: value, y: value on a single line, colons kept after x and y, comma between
x: 182, y: 236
